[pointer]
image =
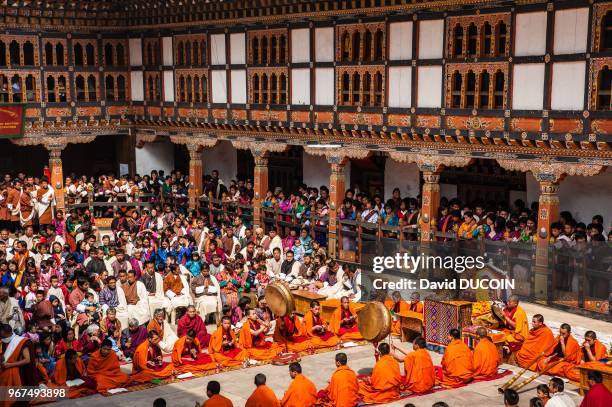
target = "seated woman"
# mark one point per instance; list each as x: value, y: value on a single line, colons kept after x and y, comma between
x: 252, y: 338
x: 91, y: 339
x: 70, y: 368
x: 187, y: 355
x: 148, y: 363
x: 67, y: 342
x: 344, y: 322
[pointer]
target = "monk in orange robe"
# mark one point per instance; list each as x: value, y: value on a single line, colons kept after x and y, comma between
x: 539, y: 342
x: 213, y: 388
x: 396, y: 305
x: 593, y: 351
x: 568, y: 350
x: 71, y: 367
x: 301, y: 391
x: 263, y: 396
x: 290, y: 334
x: 223, y: 346
x: 486, y: 356
x: 147, y: 362
x: 343, y: 387
x: 515, y: 325
x: 104, y: 368
x: 252, y: 338
x: 420, y: 375
x: 344, y: 322
x: 457, y: 362
x: 187, y: 355
x: 316, y: 329
x: 13, y: 361
x: 384, y: 384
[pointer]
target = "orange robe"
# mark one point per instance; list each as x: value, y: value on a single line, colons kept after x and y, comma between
x: 343, y: 388
x: 486, y: 359
x: 539, y: 341
x: 420, y: 373
x: 231, y: 357
x: 263, y: 396
x: 384, y: 385
x: 400, y: 307
x: 12, y: 377
x: 457, y: 364
x: 153, y: 325
x: 258, y: 347
x: 345, y: 333
x: 141, y: 372
x: 183, y: 362
x: 293, y: 337
x: 301, y: 392
x: 566, y: 368
x: 218, y: 401
x: 326, y: 340
x: 106, y: 372
x: 521, y: 330
x: 60, y: 375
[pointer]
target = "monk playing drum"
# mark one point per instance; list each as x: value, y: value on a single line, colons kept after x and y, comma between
x: 515, y: 324
x: 396, y: 305
x: 187, y: 355
x: 344, y: 322
x: 316, y: 328
x: 223, y: 346
x: 253, y: 339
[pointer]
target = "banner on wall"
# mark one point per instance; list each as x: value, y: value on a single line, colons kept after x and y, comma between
x: 12, y: 120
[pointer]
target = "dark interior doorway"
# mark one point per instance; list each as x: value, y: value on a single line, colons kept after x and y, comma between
x: 368, y: 175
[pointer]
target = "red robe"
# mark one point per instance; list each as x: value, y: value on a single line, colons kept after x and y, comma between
x: 197, y: 324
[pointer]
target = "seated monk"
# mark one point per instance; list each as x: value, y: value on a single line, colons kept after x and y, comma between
x: 396, y: 305
x: 263, y: 396
x: 344, y: 322
x: 187, y: 355
x: 420, y: 376
x: 148, y: 363
x: 253, y: 339
x: 486, y: 356
x: 515, y: 324
x: 192, y: 321
x: 416, y: 305
x: 593, y: 351
x: 343, y: 388
x: 301, y: 391
x: 223, y: 346
x: 316, y: 329
x: 564, y: 357
x: 539, y: 342
x: 290, y: 334
x: 71, y: 367
x: 18, y: 357
x: 457, y: 362
x: 215, y: 399
x: 103, y: 367
x: 158, y: 323
x: 383, y: 386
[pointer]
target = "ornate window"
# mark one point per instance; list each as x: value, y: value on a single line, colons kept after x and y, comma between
x: 2, y: 53
x: 474, y: 86
x: 498, y: 95
x: 606, y: 32
x: 263, y: 57
x: 80, y: 89
x: 458, y: 41
x: 48, y: 54
x: 78, y: 54
x: 501, y: 38
x: 361, y: 43
x: 57, y: 90
x: 15, y: 53
x: 484, y: 88
x: 4, y: 89
x: 268, y: 85
x: 17, y: 88
x: 345, y: 51
x: 361, y: 86
x: 121, y: 88
x: 180, y: 53
x: 92, y: 91
x: 256, y: 92
x: 110, y: 87
x: 487, y: 41
x: 153, y: 86
x: 470, y: 90
x: 472, y: 41
x: 91, y: 54
x: 59, y: 53
x: 604, y: 89
x: 476, y: 36
x: 109, y: 54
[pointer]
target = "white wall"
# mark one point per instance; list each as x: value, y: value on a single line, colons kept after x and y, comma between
x: 431, y: 39
x: 135, y: 45
x: 405, y: 176
x: 155, y: 156
x: 222, y: 157
x: 582, y: 196
x: 316, y: 171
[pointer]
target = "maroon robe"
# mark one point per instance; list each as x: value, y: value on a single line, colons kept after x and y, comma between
x: 185, y: 324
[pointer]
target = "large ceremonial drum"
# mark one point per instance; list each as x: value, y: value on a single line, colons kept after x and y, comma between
x: 279, y: 298
x: 374, y: 321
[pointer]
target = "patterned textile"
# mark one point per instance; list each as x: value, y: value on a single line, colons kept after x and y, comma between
x: 442, y: 316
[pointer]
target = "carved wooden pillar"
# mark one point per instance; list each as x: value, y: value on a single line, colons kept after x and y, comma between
x: 195, y: 174
x: 260, y: 184
x: 336, y: 196
x: 57, y: 173
x: 430, y: 198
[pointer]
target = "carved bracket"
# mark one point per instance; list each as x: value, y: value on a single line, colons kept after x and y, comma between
x: 432, y: 163
x: 52, y: 141
x: 339, y: 155
x: 552, y: 172
x: 194, y: 142
x: 259, y: 149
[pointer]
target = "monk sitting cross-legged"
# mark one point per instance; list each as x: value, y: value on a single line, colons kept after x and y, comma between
x: 263, y: 396
x: 540, y: 341
x: 568, y: 349
x: 192, y: 321
x: 104, y: 368
x: 187, y: 355
x: 515, y: 324
x: 344, y: 322
x: 343, y: 387
x: 593, y: 351
x: 223, y: 346
x: 253, y: 339
x: 316, y: 328
x: 418, y: 367
x: 71, y: 367
x: 290, y: 333
x: 457, y: 363
x: 213, y: 388
x: 396, y: 305
x: 301, y: 391
x: 486, y: 356
x: 147, y: 363
x: 383, y: 385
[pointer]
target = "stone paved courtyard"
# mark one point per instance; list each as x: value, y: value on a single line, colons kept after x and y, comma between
x: 238, y: 384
